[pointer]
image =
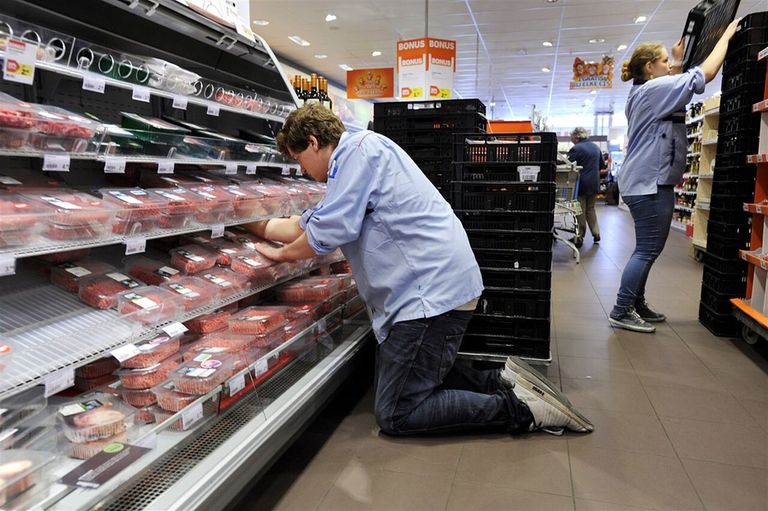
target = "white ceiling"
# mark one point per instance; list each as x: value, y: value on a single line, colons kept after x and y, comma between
x: 499, y: 44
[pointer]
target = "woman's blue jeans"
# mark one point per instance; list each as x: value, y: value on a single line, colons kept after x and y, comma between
x: 421, y: 388
x: 652, y: 215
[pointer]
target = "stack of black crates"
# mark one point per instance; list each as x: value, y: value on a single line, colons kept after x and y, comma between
x: 425, y: 130
x: 504, y: 195
x: 729, y: 227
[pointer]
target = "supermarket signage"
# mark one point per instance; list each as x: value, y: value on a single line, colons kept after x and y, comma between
x: 426, y: 67
x: 593, y: 75
x: 19, y: 64
x: 371, y: 83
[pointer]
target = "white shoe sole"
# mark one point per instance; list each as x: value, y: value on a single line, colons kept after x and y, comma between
x: 524, y: 370
x: 618, y: 324
x: 583, y: 424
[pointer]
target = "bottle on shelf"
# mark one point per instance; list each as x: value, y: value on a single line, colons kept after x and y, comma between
x: 313, y: 96
x: 297, y: 85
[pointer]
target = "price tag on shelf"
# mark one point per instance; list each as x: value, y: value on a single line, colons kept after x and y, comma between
x: 180, y: 102
x: 165, y: 166
x: 125, y: 352
x: 217, y: 231
x: 135, y: 246
x: 56, y: 162
x: 213, y: 110
x: 58, y: 381
x: 140, y: 94
x: 19, y: 63
x: 191, y: 414
x: 236, y: 384
x: 94, y: 83
x: 7, y: 265
x: 286, y: 170
x: 230, y: 168
x: 260, y: 367
x: 113, y: 165
x: 250, y: 168
x: 174, y: 329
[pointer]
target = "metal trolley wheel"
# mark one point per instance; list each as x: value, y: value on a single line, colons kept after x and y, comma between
x: 750, y: 336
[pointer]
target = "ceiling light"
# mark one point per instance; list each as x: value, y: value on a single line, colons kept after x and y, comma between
x: 321, y: 56
x: 641, y: 19
x: 621, y: 47
x: 492, y: 104
x: 346, y: 67
x: 376, y: 53
x: 593, y: 92
x: 261, y: 23
x: 595, y: 41
x: 546, y: 69
x: 551, y: 1
x: 547, y: 43
x: 298, y: 40
x: 330, y: 17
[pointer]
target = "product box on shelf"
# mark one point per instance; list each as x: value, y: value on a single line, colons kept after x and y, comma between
x: 93, y: 421
x: 57, y: 130
x: 256, y: 267
x: 170, y: 399
x: 73, y: 215
x: 150, y: 304
x: 152, y: 352
x: 203, y: 374
x: 91, y: 384
x: 224, y: 342
x: 21, y: 219
x: 193, y: 258
x: 257, y: 320
x: 228, y: 250
x: 147, y: 377
x: 139, y: 211
x: 23, y: 472
x: 217, y: 204
x: 101, y: 367
x: 151, y: 271
x: 314, y: 289
x: 101, y: 291
x: 194, y: 292
x: 229, y: 282
x: 179, y: 208
x: 67, y: 275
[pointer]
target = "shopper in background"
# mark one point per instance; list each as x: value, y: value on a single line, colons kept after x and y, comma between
x: 418, y: 276
x: 588, y: 156
x: 655, y: 162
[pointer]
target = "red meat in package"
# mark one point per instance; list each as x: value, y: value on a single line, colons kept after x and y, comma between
x: 315, y: 289
x: 67, y: 275
x: 193, y: 291
x: 228, y: 250
x: 257, y: 267
x: 193, y: 258
x: 257, y: 320
x: 102, y: 291
x: 229, y: 282
x: 73, y: 209
x: 151, y: 271
x: 217, y: 206
x: 212, y: 322
x: 150, y: 305
x: 138, y: 212
x: 203, y: 374
x: 20, y: 213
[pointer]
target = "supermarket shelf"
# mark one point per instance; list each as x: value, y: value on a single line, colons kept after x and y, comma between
x: 703, y: 207
x: 699, y: 243
x: 694, y: 135
x: 742, y: 305
x: 683, y: 208
x: 678, y: 226
x: 696, y: 119
x: 192, y: 100
x: 762, y: 106
x: 754, y: 257
x: 709, y: 142
x: 45, y: 328
x: 763, y: 53
x: 685, y: 192
x: 236, y: 445
x: 692, y: 155
x: 757, y: 158
x: 757, y: 208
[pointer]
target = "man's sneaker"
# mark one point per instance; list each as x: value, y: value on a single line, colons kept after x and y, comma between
x: 631, y: 320
x: 648, y: 314
x: 516, y: 367
x: 549, y: 413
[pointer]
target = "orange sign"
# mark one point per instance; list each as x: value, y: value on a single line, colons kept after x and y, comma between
x: 371, y: 83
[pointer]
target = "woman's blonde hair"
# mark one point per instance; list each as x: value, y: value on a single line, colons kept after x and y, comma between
x: 634, y: 68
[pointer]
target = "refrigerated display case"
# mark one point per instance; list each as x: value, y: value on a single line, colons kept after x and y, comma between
x: 75, y: 302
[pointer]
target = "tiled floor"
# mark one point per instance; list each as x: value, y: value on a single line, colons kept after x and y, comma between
x: 681, y: 416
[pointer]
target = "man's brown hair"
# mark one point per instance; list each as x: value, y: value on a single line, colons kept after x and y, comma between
x: 313, y: 119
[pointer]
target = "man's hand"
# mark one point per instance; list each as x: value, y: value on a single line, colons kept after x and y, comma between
x: 299, y: 249
x: 270, y: 251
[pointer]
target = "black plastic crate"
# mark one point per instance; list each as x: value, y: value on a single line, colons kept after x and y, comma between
x: 411, y: 108
x: 514, y: 221
x: 517, y: 279
x: 505, y: 171
x: 515, y: 302
x: 485, y: 239
x: 743, y: 97
x: 436, y: 165
x: 719, y: 303
x: 504, y: 196
x: 419, y: 153
x: 724, y: 160
x: 742, y: 55
x: 743, y: 172
x: 730, y: 216
x: 416, y: 137
x: 506, y: 147
x: 748, y: 73
x: 738, y: 188
x: 721, y: 325
x: 514, y: 259
x: 741, y: 143
x: 756, y: 19
x: 730, y: 201
x: 535, y: 328
x: 448, y: 122
x: 506, y: 346
x: 439, y: 178
x: 741, y: 122
x: 735, y: 283
x: 734, y: 231
x: 724, y: 247
x: 725, y: 265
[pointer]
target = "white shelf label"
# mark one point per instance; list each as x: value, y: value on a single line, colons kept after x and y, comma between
x: 58, y: 381
x: 140, y: 94
x: 260, y: 367
x: 165, y: 166
x: 250, y: 168
x: 56, y: 162
x: 7, y: 265
x: 135, y: 246
x: 94, y: 83
x: 286, y: 170
x: 213, y: 110
x: 230, y: 168
x: 174, y: 329
x: 217, y: 231
x: 180, y: 102
x: 19, y: 63
x: 125, y: 352
x: 236, y: 384
x: 191, y: 414
x: 113, y: 165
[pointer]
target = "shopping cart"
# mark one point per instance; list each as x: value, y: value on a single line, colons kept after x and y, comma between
x: 567, y: 206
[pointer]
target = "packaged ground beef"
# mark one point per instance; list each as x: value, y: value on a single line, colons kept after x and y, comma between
x: 85, y: 450
x: 101, y: 367
x: 69, y: 208
x: 151, y: 271
x: 89, y: 384
x: 101, y: 291
x: 217, y: 205
x: 180, y: 207
x: 59, y: 130
x: 170, y: 399
x: 140, y: 398
x: 212, y: 322
x: 150, y: 305
x: 139, y: 212
x: 202, y: 374
x: 67, y: 276
x: 66, y: 256
x: 19, y: 213
x: 229, y: 282
x: 218, y: 343
x: 148, y: 377
x: 94, y: 416
x: 153, y: 352
x: 194, y: 292
x: 248, y: 203
x: 228, y: 250
x: 313, y: 289
x: 193, y: 258
x: 256, y: 267
x: 257, y: 320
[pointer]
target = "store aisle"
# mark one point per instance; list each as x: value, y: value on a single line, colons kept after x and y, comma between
x: 681, y: 417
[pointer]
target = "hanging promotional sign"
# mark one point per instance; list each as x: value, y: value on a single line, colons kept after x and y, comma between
x: 412, y: 68
x: 441, y: 67
x: 593, y: 75
x: 371, y: 83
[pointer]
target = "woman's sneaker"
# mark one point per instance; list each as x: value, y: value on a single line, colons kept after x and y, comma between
x: 648, y: 314
x: 550, y: 414
x: 631, y: 320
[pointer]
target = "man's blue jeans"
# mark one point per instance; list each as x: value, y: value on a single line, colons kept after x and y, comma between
x: 419, y: 388
x: 652, y: 215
